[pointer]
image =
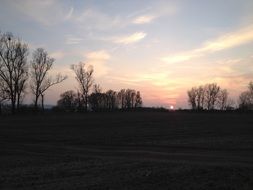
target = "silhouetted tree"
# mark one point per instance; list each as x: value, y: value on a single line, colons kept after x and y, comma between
x: 245, y: 101
x: 13, y: 67
x: 21, y: 75
x: 95, y: 98
x: 3, y: 93
x: 212, y: 92
x: 200, y: 98
x: 246, y: 98
x: 94, y: 101
x: 129, y: 98
x: 84, y: 77
x: 122, y: 98
x: 40, y: 81
x: 223, y: 99
x: 250, y: 86
x: 68, y: 101
x: 111, y: 97
x: 111, y: 100
x: 138, y: 100
x: 97, y: 88
x: 196, y: 97
x: 209, y: 97
x: 230, y: 104
x: 192, y: 95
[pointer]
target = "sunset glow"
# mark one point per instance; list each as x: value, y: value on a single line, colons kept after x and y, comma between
x: 161, y: 48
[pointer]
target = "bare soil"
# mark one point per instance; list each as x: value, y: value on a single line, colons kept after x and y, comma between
x: 129, y: 150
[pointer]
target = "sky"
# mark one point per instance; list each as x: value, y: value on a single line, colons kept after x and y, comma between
x: 161, y: 48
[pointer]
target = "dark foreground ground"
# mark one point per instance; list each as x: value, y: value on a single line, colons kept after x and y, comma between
x: 127, y: 151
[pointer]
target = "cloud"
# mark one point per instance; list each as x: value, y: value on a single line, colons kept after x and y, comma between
x: 180, y: 57
x: 72, y: 40
x: 133, y: 38
x: 227, y: 41
x: 144, y: 19
x: 98, y: 55
x: 156, y: 11
x: 98, y: 59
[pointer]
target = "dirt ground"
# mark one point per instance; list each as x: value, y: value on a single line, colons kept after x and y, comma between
x: 129, y: 150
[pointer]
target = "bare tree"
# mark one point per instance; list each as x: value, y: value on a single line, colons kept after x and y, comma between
x: 21, y: 73
x: 47, y: 84
x: 97, y: 88
x: 192, y: 95
x: 246, y: 98
x: 128, y: 98
x: 245, y: 101
x: 112, y: 99
x: 138, y: 100
x: 230, y: 104
x: 200, y: 97
x: 68, y: 101
x: 250, y: 87
x: 212, y: 92
x: 13, y: 67
x: 133, y: 98
x: 95, y: 101
x: 3, y: 94
x: 223, y: 99
x: 122, y: 98
x: 41, y: 64
x: 84, y: 77
x: 209, y: 97
x: 96, y: 98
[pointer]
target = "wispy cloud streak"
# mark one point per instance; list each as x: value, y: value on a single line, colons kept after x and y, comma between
x: 227, y: 41
x: 133, y: 38
x: 144, y: 19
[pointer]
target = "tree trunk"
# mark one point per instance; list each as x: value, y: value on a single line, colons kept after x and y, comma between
x: 86, y: 102
x: 36, y: 103
x: 42, y: 102
x: 18, y: 102
x: 13, y: 106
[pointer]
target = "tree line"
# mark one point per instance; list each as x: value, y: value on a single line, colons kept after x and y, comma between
x: 213, y: 97
x: 125, y: 99
x: 18, y: 76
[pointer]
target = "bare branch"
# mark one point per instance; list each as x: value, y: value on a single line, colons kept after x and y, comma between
x: 84, y: 77
x: 40, y: 81
x: 13, y: 67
